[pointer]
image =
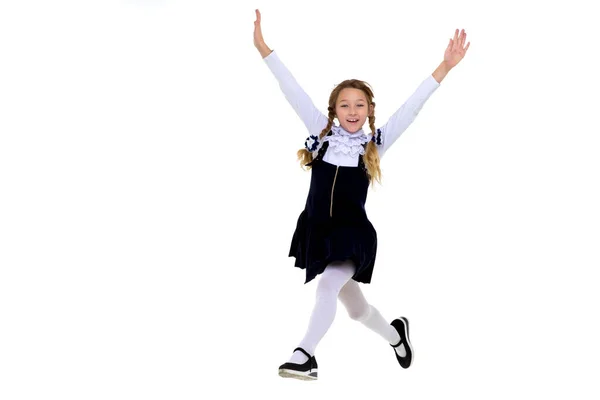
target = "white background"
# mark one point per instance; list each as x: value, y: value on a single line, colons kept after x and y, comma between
x: 149, y: 189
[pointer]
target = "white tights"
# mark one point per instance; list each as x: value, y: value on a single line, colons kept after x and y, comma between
x: 336, y: 282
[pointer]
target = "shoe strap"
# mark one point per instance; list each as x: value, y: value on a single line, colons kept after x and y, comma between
x: 303, y: 351
x: 399, y: 343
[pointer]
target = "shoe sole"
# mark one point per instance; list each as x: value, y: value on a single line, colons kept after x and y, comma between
x: 288, y: 373
x: 412, y: 360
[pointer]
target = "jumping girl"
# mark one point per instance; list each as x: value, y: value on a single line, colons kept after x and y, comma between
x: 333, y: 238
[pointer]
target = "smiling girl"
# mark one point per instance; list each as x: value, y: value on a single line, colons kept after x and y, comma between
x: 334, y: 238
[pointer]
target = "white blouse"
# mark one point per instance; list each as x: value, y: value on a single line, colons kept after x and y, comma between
x: 344, y: 147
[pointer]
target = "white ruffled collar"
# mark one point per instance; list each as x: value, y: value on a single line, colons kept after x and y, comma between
x: 345, y: 142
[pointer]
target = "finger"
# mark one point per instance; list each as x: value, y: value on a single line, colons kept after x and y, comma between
x: 456, y: 39
x: 463, y: 37
x: 257, y: 16
x: 467, y: 48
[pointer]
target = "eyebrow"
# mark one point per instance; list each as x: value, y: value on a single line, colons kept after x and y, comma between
x: 349, y: 100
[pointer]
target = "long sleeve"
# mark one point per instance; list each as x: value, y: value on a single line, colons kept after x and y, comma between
x: 406, y: 114
x: 312, y: 118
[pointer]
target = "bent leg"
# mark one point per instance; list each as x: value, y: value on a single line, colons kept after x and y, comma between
x: 360, y: 310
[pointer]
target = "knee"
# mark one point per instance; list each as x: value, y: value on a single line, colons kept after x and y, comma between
x: 360, y: 314
x: 335, y: 276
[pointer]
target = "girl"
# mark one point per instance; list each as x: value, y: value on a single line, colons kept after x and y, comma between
x: 334, y: 238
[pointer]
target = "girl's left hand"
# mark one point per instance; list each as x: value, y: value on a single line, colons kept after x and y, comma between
x: 456, y: 49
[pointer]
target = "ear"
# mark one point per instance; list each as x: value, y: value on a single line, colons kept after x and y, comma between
x: 371, y: 109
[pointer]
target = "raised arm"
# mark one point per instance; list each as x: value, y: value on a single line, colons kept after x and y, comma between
x: 312, y: 118
x: 404, y: 116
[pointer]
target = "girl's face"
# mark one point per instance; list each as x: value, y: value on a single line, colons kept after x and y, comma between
x: 352, y: 109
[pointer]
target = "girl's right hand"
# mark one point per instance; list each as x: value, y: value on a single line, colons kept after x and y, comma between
x: 258, y: 37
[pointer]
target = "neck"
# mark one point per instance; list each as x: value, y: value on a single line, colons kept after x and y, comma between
x: 358, y: 132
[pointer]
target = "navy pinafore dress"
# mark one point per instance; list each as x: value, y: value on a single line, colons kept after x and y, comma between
x: 333, y: 225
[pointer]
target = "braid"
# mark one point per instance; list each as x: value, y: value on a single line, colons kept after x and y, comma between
x: 330, y: 116
x: 371, y: 157
x: 305, y: 156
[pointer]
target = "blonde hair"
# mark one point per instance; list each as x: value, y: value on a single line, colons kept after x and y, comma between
x: 371, y: 156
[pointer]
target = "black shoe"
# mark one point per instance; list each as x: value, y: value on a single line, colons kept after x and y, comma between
x: 306, y: 371
x: 401, y: 326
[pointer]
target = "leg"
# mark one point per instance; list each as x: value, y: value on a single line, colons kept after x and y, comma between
x: 360, y: 310
x: 335, y: 276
